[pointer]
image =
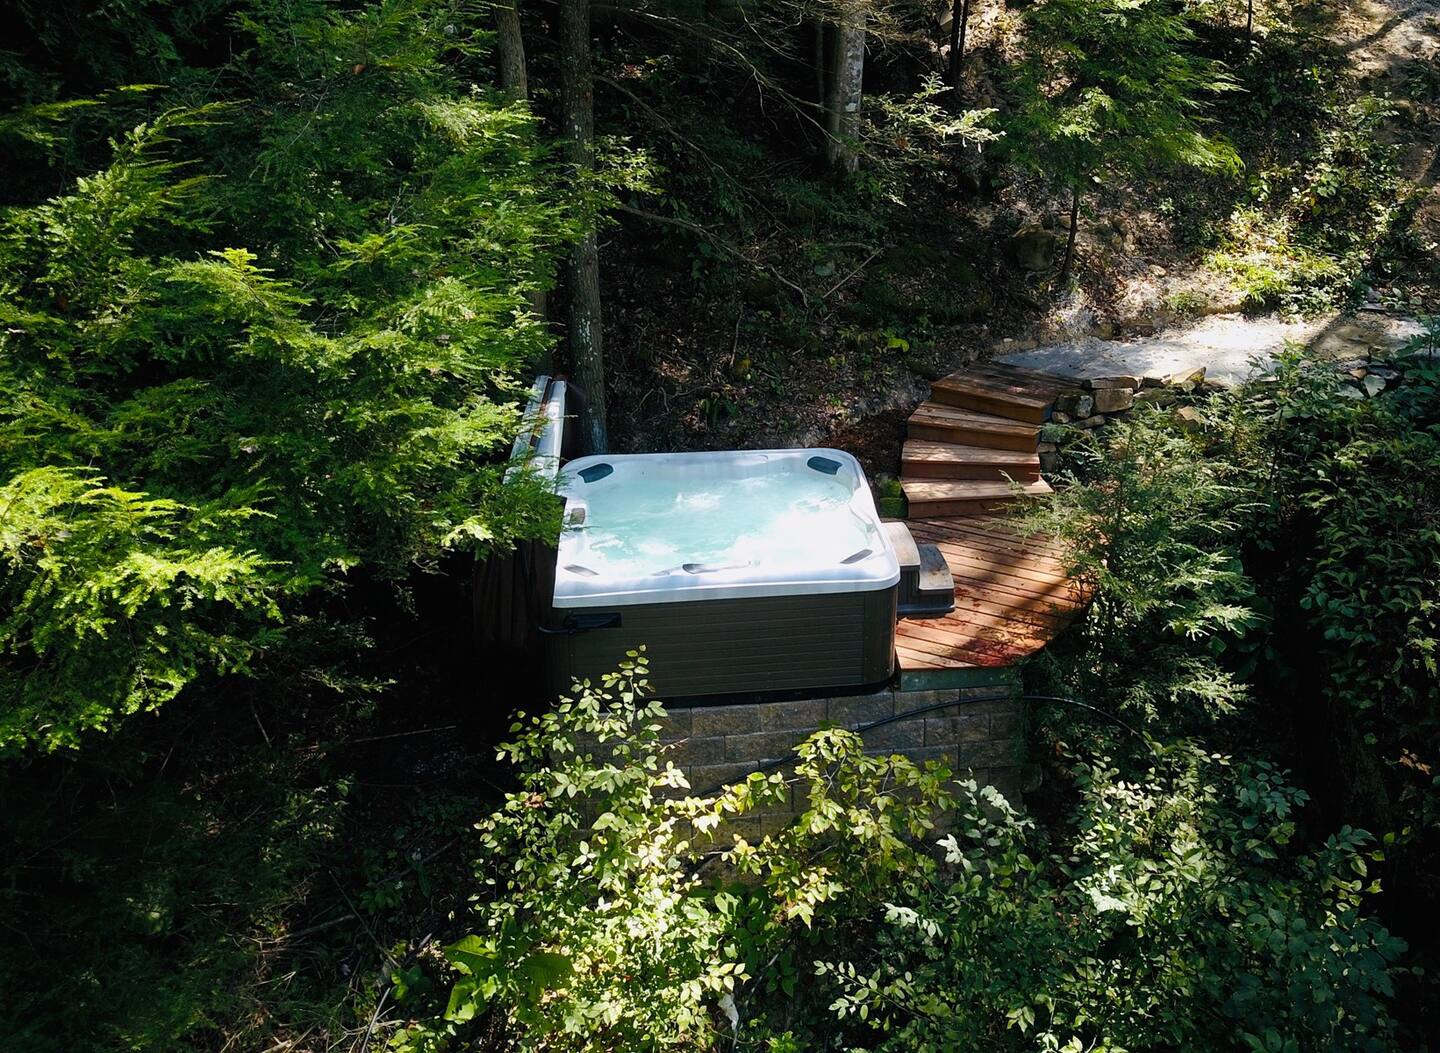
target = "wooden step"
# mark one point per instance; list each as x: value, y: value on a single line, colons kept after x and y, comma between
x: 984, y: 394
x: 923, y: 459
x: 1020, y: 375
x: 939, y: 423
x: 932, y: 497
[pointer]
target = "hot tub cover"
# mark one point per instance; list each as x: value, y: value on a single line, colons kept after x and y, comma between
x: 678, y: 527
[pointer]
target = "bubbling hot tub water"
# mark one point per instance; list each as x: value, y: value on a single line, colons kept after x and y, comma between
x: 771, y: 522
x: 653, y: 526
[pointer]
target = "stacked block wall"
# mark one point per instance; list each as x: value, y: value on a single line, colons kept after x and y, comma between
x: 983, y: 740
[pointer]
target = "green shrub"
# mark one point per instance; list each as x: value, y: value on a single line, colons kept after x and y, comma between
x: 226, y: 399
x: 1349, y: 545
x: 1166, y: 920
x: 1315, y: 223
x: 1169, y: 911
x: 1152, y: 528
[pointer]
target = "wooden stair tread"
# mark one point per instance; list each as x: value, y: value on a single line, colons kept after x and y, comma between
x: 960, y: 489
x: 979, y: 383
x: 928, y: 450
x: 982, y: 396
x: 907, y: 552
x: 1020, y: 375
x: 935, y: 573
x: 937, y: 412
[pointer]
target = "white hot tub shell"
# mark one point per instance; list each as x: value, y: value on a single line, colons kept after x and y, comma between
x: 739, y: 571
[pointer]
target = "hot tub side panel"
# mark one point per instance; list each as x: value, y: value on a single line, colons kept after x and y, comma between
x: 709, y: 647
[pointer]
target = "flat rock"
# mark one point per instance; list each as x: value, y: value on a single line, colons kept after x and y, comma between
x: 1230, y: 347
x: 1113, y: 400
x: 1155, y: 397
x: 1186, y: 378
x: 1075, y: 403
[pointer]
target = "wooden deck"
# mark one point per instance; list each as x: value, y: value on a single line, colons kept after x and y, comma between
x: 1012, y: 596
x: 977, y: 433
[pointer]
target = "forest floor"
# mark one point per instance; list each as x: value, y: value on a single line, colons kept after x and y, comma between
x: 702, y: 362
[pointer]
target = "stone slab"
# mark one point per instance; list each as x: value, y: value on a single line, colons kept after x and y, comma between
x: 1228, y: 346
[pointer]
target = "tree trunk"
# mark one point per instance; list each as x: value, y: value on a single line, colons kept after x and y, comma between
x: 1070, y: 241
x: 958, y: 24
x: 510, y: 53
x: 1249, y: 22
x: 510, y: 49
x: 821, y: 63
x: 587, y: 349
x: 842, y: 109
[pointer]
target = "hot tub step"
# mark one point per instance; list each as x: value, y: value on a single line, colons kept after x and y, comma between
x: 931, y: 497
x: 988, y: 394
x: 938, y: 423
x: 924, y: 459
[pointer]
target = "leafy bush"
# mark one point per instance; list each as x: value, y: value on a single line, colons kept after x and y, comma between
x: 202, y: 443
x: 1153, y: 527
x: 1349, y: 546
x: 1276, y: 545
x: 592, y: 894
x: 1169, y: 912
x: 596, y: 928
x: 1165, y: 921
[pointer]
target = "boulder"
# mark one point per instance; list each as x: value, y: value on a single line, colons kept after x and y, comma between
x: 1373, y: 385
x: 1034, y: 249
x: 1060, y: 417
x: 1113, y: 400
x: 1156, y: 397
x: 1188, y: 418
x: 1075, y: 403
x: 1186, y: 379
x: 1092, y: 421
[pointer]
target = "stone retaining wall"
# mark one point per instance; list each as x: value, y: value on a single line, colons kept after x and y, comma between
x: 720, y: 744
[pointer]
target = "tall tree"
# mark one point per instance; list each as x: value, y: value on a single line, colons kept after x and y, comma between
x: 273, y: 387
x: 1113, y: 87
x: 510, y: 56
x: 959, y: 20
x: 845, y: 94
x: 510, y: 48
x: 577, y: 108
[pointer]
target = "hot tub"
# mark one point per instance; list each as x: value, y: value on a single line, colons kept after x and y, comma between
x: 740, y: 572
